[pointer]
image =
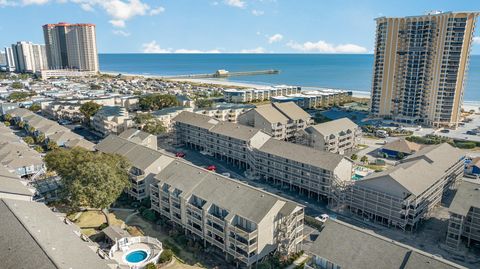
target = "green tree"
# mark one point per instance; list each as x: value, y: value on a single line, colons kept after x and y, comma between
x: 354, y: 157
x: 52, y: 145
x: 154, y: 127
x: 40, y: 139
x: 7, y: 117
x: 166, y: 256
x: 18, y: 96
x: 364, y: 159
x: 89, y: 109
x: 39, y: 148
x: 21, y: 124
x: 157, y: 101
x: 35, y: 107
x: 320, y: 118
x: 204, y: 103
x: 7, y: 123
x: 29, y: 140
x: 31, y: 129
x: 400, y: 155
x: 17, y: 85
x: 142, y: 118
x: 90, y: 179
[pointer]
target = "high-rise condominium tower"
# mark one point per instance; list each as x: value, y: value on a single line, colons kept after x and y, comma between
x: 420, y: 67
x: 71, y: 46
x: 28, y: 57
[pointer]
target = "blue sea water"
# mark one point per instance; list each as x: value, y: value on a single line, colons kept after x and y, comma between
x: 353, y: 72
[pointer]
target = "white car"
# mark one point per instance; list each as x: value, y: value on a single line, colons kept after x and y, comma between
x: 322, y: 218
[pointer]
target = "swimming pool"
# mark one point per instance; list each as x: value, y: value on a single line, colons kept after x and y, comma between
x: 356, y: 177
x: 136, y: 256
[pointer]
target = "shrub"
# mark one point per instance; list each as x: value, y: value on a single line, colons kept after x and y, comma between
x: 166, y: 256
x: 151, y: 266
x: 7, y: 123
x: 103, y: 226
x: 149, y: 215
x: 354, y: 157
x: 465, y: 145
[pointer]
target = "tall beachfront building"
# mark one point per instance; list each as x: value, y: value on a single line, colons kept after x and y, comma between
x: 27, y: 57
x: 420, y: 67
x: 71, y: 46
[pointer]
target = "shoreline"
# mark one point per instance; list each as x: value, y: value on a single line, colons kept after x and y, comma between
x: 467, y: 104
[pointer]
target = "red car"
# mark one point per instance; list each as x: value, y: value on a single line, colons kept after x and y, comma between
x: 180, y: 154
x: 211, y: 168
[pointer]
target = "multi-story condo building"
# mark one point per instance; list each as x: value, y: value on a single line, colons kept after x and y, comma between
x: 29, y: 57
x: 464, y: 212
x: 258, y: 94
x: 337, y: 136
x: 343, y: 246
x: 140, y: 137
x: 306, y: 170
x: 10, y: 59
x: 404, y: 195
x: 420, y: 67
x: 3, y: 58
x: 225, y: 111
x: 280, y: 120
x: 244, y: 222
x: 146, y: 162
x: 63, y: 111
x: 308, y: 99
x: 111, y: 120
x: 71, y: 46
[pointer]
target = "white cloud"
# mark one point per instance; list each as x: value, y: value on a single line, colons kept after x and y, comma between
x: 34, y: 2
x: 324, y: 47
x: 257, y: 12
x: 156, y: 11
x: 153, y: 47
x: 117, y: 23
x: 255, y: 50
x: 86, y: 7
x: 476, y: 40
x: 275, y: 38
x: 236, y: 3
x: 120, y: 33
x: 7, y: 3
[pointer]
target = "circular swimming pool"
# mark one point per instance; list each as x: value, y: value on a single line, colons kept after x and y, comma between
x: 136, y: 256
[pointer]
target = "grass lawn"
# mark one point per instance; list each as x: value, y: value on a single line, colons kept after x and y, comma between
x: 179, y: 265
x: 90, y: 219
x: 375, y: 167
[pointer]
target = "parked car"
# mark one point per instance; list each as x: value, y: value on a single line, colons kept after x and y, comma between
x: 322, y: 218
x: 180, y: 154
x: 472, y: 132
x: 211, y: 168
x: 226, y: 174
x: 445, y: 131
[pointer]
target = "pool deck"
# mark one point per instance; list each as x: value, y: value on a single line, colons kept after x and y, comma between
x: 151, y: 248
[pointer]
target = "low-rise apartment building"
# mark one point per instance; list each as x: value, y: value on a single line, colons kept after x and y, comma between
x: 337, y: 136
x: 167, y: 114
x: 63, y: 111
x: 405, y: 195
x: 225, y: 111
x: 16, y: 156
x: 35, y: 237
x: 146, y: 163
x: 244, y: 222
x: 258, y: 94
x: 111, y: 120
x: 308, y: 99
x: 140, y: 137
x: 464, y: 223
x: 344, y: 246
x: 306, y: 170
x: 280, y: 120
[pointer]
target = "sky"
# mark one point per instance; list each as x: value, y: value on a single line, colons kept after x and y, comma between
x: 219, y: 26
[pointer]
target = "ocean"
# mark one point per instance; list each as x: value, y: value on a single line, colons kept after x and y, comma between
x: 352, y: 72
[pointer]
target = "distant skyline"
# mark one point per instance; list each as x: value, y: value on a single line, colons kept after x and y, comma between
x: 219, y: 26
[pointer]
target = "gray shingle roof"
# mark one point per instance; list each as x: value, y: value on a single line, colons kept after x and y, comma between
x: 467, y: 196
x: 291, y: 110
x: 302, y: 154
x: 10, y: 183
x: 402, y: 145
x: 351, y: 247
x: 33, y: 237
x: 234, y: 130
x: 198, y: 120
x: 271, y: 114
x: 140, y: 156
x: 333, y: 127
x: 232, y: 195
x: 419, y: 171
